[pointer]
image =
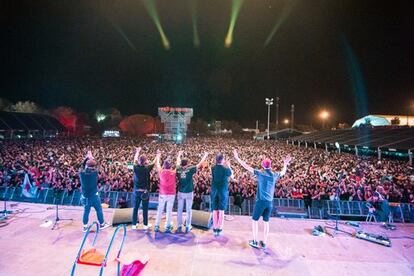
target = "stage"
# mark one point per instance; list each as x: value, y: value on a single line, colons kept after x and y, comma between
x: 29, y: 249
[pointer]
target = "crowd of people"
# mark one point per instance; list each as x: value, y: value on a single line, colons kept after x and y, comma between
x: 313, y: 173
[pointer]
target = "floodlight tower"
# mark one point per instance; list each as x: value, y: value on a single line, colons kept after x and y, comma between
x: 268, y: 102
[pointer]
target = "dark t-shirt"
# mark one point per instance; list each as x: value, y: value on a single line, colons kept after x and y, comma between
x: 142, y: 176
x: 89, y: 182
x: 185, y: 179
x: 220, y: 175
x: 266, y: 182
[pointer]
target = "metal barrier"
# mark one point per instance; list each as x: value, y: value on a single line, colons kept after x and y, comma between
x: 319, y: 209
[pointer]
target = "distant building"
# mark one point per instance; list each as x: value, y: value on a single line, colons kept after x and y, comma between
x: 385, y: 120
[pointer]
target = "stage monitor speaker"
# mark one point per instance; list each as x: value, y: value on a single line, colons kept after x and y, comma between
x: 201, y: 219
x: 121, y: 216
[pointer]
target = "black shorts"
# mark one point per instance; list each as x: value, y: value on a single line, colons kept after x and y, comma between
x: 219, y: 199
x: 262, y: 208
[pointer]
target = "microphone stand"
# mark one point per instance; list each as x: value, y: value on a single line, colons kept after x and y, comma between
x: 337, y: 214
x: 57, y: 218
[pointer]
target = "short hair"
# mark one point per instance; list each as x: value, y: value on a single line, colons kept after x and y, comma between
x: 91, y: 163
x: 184, y: 162
x: 219, y: 158
x: 142, y: 159
x: 166, y: 165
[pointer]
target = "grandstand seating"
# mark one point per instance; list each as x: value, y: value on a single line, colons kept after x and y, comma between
x: 394, y: 139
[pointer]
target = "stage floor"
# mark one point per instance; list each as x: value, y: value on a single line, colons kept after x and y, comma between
x: 29, y: 249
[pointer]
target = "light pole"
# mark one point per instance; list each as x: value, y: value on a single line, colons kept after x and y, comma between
x: 324, y: 116
x: 292, y: 117
x: 277, y: 113
x: 268, y: 102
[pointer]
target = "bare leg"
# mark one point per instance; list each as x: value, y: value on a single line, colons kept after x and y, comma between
x: 220, y: 219
x: 255, y: 229
x: 215, y: 219
x: 265, y: 231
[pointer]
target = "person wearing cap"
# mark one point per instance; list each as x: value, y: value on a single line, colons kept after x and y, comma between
x: 88, y: 176
x: 141, y: 188
x: 219, y: 191
x: 379, y: 206
x: 185, y: 174
x: 266, y: 182
x: 167, y: 190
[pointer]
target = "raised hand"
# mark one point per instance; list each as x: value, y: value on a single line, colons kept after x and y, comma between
x: 138, y: 148
x: 236, y: 154
x: 287, y: 160
x: 89, y: 155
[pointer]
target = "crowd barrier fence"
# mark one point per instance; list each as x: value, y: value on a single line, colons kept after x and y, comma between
x: 316, y: 209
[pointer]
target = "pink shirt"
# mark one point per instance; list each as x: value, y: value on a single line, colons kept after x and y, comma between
x: 167, y: 182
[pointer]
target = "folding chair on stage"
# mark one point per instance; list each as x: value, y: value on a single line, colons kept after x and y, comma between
x: 93, y: 257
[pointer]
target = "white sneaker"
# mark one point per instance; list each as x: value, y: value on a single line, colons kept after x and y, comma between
x: 85, y: 228
x: 146, y: 227
x: 134, y: 227
x: 103, y: 226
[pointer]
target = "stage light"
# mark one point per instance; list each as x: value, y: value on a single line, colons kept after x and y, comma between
x: 235, y: 9
x: 124, y: 36
x: 286, y: 121
x: 356, y: 77
x: 287, y: 9
x: 152, y: 11
x: 193, y: 11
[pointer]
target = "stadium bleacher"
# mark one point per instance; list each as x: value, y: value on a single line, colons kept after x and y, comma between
x: 399, y: 139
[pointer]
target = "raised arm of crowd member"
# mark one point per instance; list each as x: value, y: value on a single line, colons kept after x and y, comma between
x: 158, y: 161
x: 242, y: 163
x: 178, y: 162
x: 198, y: 166
x: 136, y: 156
x: 286, y: 162
x: 228, y: 165
x: 87, y: 157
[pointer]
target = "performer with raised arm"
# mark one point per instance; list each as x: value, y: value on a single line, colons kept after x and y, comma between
x: 266, y: 182
x: 185, y: 174
x: 141, y: 188
x: 88, y: 176
x: 219, y: 191
x: 167, y: 190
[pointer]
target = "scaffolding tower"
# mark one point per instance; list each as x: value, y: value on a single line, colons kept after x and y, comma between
x: 175, y: 121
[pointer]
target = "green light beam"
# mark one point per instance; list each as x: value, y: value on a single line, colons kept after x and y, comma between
x: 235, y: 9
x: 193, y: 11
x: 152, y: 11
x: 285, y: 14
x: 124, y: 36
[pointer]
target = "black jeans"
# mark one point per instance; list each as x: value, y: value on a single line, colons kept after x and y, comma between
x: 137, y: 202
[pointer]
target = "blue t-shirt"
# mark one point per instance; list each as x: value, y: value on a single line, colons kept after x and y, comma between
x: 220, y: 175
x: 89, y: 182
x: 266, y: 182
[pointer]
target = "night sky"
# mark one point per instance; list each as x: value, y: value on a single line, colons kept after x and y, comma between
x: 72, y: 53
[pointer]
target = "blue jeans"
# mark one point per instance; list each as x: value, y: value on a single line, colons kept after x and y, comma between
x: 95, y: 202
x: 137, y: 202
x: 188, y: 198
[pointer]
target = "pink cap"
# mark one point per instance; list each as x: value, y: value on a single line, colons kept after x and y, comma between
x: 266, y: 163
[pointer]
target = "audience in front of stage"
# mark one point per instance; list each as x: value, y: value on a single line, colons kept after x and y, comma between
x: 312, y: 175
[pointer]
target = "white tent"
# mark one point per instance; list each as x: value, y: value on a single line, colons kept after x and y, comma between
x: 373, y: 120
